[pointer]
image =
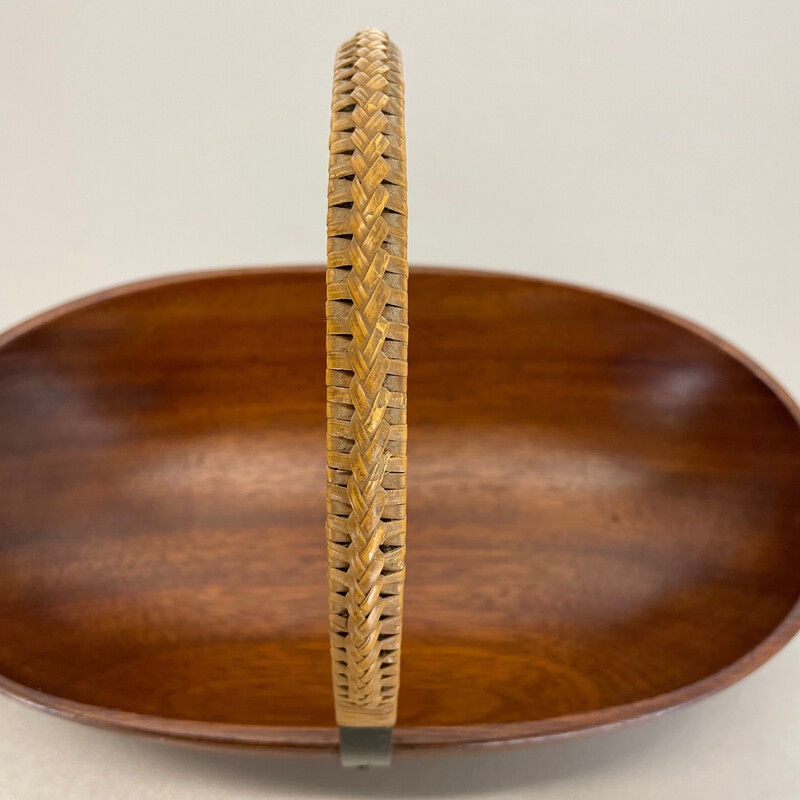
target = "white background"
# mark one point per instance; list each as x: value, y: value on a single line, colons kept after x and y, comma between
x: 648, y: 148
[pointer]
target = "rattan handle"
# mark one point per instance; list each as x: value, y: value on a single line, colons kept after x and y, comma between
x: 367, y: 327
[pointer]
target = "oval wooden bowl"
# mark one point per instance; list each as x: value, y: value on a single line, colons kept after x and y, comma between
x: 604, y: 512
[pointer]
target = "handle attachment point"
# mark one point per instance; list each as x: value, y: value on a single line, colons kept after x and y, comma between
x: 365, y: 747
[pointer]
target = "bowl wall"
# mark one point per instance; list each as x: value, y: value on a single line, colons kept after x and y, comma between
x: 604, y: 511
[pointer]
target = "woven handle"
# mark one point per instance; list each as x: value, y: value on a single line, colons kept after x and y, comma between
x: 367, y: 326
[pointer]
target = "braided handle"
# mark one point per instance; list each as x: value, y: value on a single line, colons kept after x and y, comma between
x: 367, y: 327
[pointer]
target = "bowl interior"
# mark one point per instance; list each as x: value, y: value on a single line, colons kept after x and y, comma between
x: 603, y: 505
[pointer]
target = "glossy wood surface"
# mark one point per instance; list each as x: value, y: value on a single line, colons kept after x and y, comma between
x: 604, y: 511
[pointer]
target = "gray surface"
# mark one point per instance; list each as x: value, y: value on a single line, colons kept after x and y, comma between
x: 648, y: 148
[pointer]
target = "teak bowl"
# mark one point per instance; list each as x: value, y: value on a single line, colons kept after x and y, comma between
x: 604, y: 511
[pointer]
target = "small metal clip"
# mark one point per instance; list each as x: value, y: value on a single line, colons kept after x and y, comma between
x: 365, y: 747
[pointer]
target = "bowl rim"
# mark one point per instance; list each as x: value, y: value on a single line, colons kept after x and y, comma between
x: 407, y: 739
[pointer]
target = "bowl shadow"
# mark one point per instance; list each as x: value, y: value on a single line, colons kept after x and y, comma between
x: 443, y: 776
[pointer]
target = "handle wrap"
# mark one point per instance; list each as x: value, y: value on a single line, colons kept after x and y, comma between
x: 367, y: 342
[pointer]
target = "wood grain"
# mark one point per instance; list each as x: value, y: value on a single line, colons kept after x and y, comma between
x: 604, y: 512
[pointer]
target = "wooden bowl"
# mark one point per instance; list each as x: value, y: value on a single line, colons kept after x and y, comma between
x: 604, y: 512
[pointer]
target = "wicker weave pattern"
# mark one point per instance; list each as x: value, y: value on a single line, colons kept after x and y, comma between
x: 367, y: 327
